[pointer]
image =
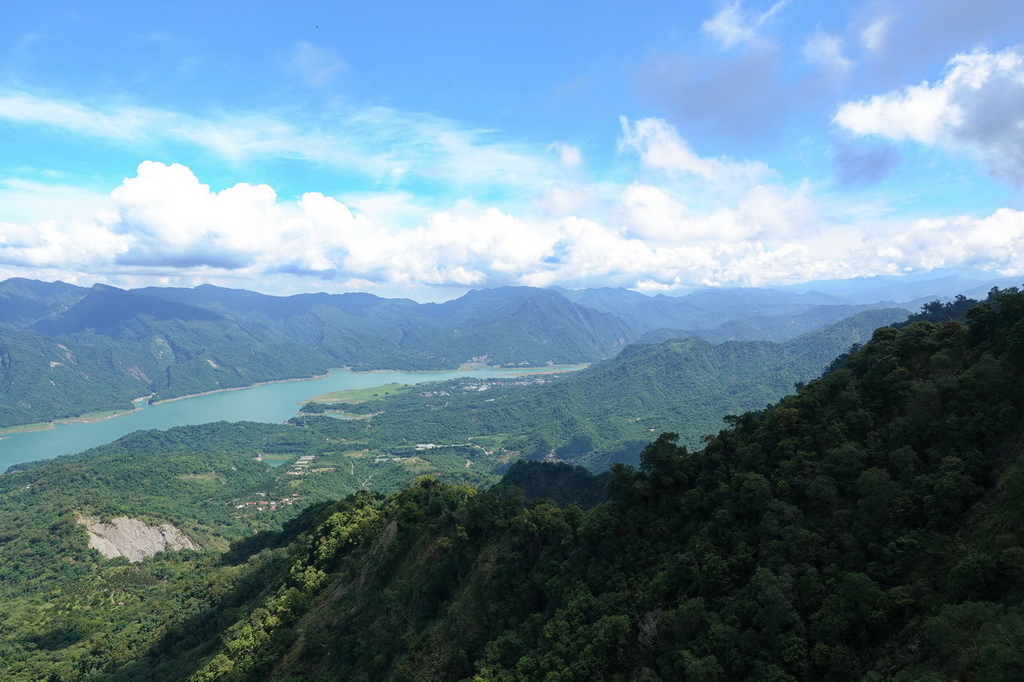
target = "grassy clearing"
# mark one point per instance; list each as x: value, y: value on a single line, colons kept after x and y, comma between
x: 276, y: 457
x: 360, y: 395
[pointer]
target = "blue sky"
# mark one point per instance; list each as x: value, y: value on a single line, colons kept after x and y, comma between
x: 422, y: 148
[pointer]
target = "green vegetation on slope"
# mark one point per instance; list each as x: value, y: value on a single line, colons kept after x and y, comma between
x: 65, y: 611
x: 866, y: 528
x: 66, y: 350
x: 609, y: 411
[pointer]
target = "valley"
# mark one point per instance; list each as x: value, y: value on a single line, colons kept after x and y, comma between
x: 265, y: 498
x: 784, y: 506
x: 66, y: 351
x: 273, y: 402
x: 461, y: 341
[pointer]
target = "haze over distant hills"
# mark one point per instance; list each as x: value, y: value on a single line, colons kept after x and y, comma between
x: 67, y: 350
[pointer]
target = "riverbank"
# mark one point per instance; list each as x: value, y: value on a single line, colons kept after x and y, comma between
x: 359, y: 395
x: 555, y: 369
x: 87, y: 418
x: 242, y: 388
x: 91, y: 417
x: 271, y: 404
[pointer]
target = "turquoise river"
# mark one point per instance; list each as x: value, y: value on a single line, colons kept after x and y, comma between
x: 273, y: 403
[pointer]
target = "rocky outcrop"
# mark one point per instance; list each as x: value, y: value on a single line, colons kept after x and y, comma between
x: 133, y: 539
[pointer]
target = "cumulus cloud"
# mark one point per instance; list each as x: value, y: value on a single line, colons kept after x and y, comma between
x: 976, y: 106
x: 995, y: 242
x: 652, y: 214
x: 733, y: 26
x: 765, y: 212
x: 164, y: 225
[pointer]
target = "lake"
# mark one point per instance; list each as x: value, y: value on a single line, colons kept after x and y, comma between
x: 273, y: 403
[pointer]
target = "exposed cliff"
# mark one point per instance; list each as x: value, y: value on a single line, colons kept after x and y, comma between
x: 133, y: 539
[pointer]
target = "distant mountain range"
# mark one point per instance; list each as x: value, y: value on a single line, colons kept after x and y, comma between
x: 67, y: 350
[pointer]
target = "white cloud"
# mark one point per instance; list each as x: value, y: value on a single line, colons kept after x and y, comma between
x: 732, y: 26
x: 318, y: 66
x: 379, y: 143
x: 777, y: 213
x: 976, y: 106
x: 165, y: 226
x: 119, y: 123
x: 60, y: 245
x: 569, y: 155
x: 995, y: 242
x: 874, y: 35
x: 652, y: 214
x: 562, y: 200
x: 826, y: 52
x: 660, y: 146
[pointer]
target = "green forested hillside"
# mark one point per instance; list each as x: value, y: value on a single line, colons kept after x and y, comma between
x: 607, y: 412
x: 25, y: 301
x: 42, y: 379
x: 866, y: 528
x: 112, y: 346
x: 767, y: 328
x: 68, y: 351
x: 65, y: 611
x: 169, y: 342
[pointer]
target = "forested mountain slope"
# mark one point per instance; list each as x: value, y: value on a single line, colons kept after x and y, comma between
x: 509, y: 325
x: 608, y: 411
x: 42, y: 379
x: 866, y: 528
x: 68, y: 614
x: 112, y: 346
x: 768, y: 328
x: 169, y: 342
x: 24, y: 301
x: 68, y: 351
x: 705, y: 309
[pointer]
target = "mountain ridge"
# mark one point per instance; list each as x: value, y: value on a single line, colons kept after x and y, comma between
x: 171, y: 342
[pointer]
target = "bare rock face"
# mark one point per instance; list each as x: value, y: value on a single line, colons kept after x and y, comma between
x: 133, y: 539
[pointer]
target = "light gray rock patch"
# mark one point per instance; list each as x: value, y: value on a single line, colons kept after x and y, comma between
x: 133, y: 539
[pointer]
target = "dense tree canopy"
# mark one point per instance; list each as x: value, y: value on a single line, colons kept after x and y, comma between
x: 866, y: 527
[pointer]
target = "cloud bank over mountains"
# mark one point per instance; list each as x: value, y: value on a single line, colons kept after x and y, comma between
x: 165, y: 222
x: 767, y: 147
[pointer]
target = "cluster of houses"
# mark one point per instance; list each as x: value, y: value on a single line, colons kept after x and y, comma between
x: 484, y: 385
x: 301, y: 465
x: 268, y: 505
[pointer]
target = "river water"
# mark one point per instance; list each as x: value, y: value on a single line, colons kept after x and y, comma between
x: 273, y: 403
